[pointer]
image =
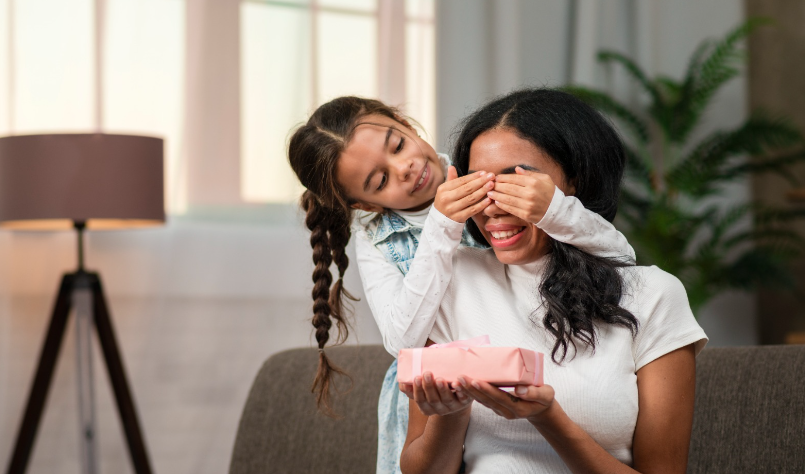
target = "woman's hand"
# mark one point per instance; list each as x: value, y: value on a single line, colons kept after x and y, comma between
x: 526, y: 194
x: 434, y: 397
x: 461, y: 198
x: 527, y: 401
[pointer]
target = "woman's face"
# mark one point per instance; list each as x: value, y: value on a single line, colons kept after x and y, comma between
x: 387, y: 166
x: 500, y: 151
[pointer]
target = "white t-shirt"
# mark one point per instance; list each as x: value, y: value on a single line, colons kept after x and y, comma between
x: 405, y: 306
x: 597, y: 391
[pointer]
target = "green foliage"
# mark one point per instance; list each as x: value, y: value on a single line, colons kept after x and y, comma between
x: 669, y: 207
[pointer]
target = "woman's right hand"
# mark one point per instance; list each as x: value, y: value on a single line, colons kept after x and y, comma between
x: 461, y: 198
x: 434, y: 397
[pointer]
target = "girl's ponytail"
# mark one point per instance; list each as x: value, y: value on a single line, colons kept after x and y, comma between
x: 313, y: 153
x: 329, y: 234
x: 339, y: 238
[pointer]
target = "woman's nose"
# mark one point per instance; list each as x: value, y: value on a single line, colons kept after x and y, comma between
x: 493, y: 210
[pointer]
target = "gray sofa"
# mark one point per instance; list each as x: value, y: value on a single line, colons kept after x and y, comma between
x: 750, y: 413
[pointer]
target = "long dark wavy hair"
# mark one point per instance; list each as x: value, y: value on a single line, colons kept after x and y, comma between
x: 313, y: 153
x: 579, y: 290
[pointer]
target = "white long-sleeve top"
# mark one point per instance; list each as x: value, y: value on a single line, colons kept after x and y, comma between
x: 405, y: 306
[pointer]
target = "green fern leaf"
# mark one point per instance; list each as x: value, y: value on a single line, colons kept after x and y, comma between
x: 633, y: 69
x: 703, y: 169
x: 611, y: 107
x: 712, y: 65
x: 778, y: 164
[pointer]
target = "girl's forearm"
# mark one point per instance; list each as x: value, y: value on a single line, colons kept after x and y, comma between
x: 578, y: 450
x: 568, y: 221
x: 405, y: 306
x: 440, y: 447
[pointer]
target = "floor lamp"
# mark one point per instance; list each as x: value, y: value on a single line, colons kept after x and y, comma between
x: 81, y: 182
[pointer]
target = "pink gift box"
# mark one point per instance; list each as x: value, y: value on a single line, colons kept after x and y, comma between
x: 501, y: 366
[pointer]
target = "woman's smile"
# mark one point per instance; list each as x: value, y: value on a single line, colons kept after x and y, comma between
x: 504, y: 235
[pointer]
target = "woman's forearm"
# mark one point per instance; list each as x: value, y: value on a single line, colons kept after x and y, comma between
x: 578, y: 450
x: 439, y: 449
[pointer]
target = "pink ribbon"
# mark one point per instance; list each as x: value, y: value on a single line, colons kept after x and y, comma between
x: 466, y: 344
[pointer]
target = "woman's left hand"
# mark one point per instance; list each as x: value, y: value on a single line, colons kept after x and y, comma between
x: 527, y: 401
x: 526, y: 194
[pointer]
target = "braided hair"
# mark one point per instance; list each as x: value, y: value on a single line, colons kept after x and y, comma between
x: 578, y: 290
x: 313, y: 153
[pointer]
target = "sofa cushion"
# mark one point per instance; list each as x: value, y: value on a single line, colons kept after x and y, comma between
x: 750, y: 411
x: 281, y: 430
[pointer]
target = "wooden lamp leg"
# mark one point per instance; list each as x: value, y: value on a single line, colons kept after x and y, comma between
x: 117, y: 375
x: 43, y: 378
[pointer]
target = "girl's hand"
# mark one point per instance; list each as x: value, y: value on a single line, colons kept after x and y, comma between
x: 461, y: 198
x: 526, y: 194
x: 434, y: 397
x: 527, y: 401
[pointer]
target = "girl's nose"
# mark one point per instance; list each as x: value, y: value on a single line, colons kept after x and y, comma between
x: 404, y: 168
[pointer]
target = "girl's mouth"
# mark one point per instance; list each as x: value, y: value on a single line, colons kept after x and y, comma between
x: 422, y: 179
x: 505, y: 238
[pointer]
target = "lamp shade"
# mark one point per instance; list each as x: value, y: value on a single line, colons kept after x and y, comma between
x: 107, y: 181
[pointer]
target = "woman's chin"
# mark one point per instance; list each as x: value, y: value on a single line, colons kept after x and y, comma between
x: 512, y: 258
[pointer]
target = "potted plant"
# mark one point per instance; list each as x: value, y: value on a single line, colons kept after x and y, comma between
x: 667, y: 209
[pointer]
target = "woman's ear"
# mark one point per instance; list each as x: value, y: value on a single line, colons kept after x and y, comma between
x: 571, y: 187
x: 367, y: 207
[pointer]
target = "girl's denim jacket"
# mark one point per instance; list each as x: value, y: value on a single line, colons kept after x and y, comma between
x: 397, y: 239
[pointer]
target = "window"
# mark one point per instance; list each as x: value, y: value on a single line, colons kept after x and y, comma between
x: 47, y: 71
x: 219, y: 155
x: 296, y: 55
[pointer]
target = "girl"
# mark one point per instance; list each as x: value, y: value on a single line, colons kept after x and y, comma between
x: 358, y: 154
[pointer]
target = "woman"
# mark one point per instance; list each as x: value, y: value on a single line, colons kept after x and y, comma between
x: 622, y: 340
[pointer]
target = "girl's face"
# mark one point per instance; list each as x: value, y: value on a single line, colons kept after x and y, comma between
x: 500, y: 151
x: 387, y: 166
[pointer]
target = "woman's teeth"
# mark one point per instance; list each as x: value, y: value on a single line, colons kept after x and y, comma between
x: 500, y: 235
x: 422, y: 179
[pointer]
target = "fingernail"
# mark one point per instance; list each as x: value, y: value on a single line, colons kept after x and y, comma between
x: 476, y: 384
x: 457, y: 387
x: 520, y: 390
x: 418, y: 380
x: 428, y: 377
x: 490, y: 185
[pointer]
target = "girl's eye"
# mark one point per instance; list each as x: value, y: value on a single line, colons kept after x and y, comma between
x: 401, y: 145
x: 382, y: 182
